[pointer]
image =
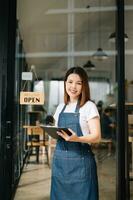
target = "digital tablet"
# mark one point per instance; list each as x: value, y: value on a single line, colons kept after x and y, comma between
x: 52, y: 130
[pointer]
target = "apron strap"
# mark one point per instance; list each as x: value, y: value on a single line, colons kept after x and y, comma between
x: 77, y: 108
x: 63, y: 109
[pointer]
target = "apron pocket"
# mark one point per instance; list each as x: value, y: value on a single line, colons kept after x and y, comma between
x: 69, y: 169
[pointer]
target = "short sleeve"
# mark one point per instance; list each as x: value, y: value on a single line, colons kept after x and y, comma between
x: 57, y: 112
x: 91, y: 111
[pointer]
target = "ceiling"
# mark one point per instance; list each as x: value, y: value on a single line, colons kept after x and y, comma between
x: 58, y: 34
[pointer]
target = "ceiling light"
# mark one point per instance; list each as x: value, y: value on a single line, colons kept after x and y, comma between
x: 112, y: 37
x: 89, y: 65
x: 100, y: 54
x: 88, y: 6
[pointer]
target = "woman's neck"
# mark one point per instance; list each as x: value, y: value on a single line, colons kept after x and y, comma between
x: 73, y: 100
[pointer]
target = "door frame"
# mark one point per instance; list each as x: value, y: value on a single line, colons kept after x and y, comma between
x: 7, y: 65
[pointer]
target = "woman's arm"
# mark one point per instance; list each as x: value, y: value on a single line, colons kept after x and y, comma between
x: 93, y: 137
x: 95, y: 132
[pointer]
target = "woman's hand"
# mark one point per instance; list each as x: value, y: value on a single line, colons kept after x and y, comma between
x: 65, y: 136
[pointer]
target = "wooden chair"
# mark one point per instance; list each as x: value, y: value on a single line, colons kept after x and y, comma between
x: 35, y: 140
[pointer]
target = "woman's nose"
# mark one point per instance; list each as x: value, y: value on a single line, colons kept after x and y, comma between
x: 73, y: 85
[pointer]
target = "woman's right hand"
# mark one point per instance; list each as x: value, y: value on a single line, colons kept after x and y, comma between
x: 66, y: 137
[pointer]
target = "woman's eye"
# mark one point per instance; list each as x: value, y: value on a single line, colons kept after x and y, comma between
x: 79, y: 83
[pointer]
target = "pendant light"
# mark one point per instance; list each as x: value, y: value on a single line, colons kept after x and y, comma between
x: 89, y: 65
x: 100, y: 54
x: 112, y: 37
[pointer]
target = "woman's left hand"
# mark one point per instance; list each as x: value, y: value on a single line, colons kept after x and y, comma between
x: 65, y: 136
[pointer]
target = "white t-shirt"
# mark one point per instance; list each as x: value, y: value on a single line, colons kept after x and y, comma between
x: 87, y: 112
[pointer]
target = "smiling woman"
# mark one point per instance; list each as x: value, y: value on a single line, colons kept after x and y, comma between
x: 73, y: 159
x: 76, y: 82
x: 73, y: 86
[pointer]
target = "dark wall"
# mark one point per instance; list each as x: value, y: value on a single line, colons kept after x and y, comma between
x: 7, y: 63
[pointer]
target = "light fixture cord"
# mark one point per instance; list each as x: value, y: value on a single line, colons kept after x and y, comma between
x: 88, y: 28
x: 99, y: 23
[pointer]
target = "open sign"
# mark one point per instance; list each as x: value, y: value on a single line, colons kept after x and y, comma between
x: 32, y: 98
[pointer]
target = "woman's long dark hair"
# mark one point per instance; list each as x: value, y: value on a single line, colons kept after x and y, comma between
x: 85, y: 94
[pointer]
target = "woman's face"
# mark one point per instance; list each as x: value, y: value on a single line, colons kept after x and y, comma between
x: 73, y: 86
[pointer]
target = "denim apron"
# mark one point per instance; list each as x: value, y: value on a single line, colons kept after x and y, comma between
x: 74, y: 173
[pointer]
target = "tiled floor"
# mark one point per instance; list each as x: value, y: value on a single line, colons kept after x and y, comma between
x: 35, y: 180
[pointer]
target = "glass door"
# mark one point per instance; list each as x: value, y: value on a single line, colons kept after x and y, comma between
x: 61, y: 34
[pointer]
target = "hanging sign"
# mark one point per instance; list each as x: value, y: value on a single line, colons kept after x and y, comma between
x: 32, y: 98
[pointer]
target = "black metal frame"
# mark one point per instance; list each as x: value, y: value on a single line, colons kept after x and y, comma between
x: 7, y: 45
x: 122, y: 185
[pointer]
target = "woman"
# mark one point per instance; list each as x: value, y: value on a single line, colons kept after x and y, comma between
x: 74, y: 174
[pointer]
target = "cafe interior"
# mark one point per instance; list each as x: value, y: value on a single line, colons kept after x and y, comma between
x: 51, y: 37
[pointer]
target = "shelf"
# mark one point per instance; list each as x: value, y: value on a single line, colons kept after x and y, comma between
x: 30, y: 112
